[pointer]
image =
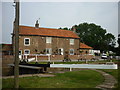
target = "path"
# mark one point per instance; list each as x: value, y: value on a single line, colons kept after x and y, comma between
x: 109, y: 81
x: 30, y: 75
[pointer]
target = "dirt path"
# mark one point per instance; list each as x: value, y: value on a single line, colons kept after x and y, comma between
x: 109, y: 81
x: 30, y: 75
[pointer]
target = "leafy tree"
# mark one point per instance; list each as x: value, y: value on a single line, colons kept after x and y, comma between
x: 95, y: 36
x: 65, y: 28
x: 118, y: 48
x: 118, y: 40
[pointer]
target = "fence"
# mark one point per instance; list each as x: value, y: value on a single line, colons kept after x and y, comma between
x: 91, y: 66
x: 38, y: 57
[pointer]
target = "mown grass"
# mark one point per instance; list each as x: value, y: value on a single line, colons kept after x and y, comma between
x: 74, y: 79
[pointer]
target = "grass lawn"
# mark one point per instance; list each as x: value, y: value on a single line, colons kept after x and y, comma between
x: 74, y: 79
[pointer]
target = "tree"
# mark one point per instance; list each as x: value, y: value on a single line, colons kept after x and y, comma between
x: 65, y: 28
x: 95, y: 36
x: 118, y: 40
x: 118, y: 48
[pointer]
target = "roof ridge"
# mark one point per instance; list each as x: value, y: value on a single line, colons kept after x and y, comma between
x: 46, y: 31
x: 44, y: 28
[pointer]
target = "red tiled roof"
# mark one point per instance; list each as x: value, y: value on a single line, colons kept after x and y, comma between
x: 84, y: 46
x: 26, y: 30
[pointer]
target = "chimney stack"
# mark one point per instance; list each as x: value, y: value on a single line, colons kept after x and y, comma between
x: 37, y: 25
x: 74, y: 29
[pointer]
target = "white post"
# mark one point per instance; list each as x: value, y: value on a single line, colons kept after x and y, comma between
x: 49, y: 58
x: 26, y: 57
x: 70, y: 69
x: 36, y: 58
x: 20, y: 57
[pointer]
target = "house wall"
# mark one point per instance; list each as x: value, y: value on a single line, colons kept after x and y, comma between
x: 6, y: 69
x: 60, y: 57
x: 39, y: 43
x: 84, y: 51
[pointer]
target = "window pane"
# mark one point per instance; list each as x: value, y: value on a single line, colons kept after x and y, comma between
x: 71, y: 41
x: 71, y: 51
x: 27, y: 41
x: 20, y: 52
x: 48, y: 39
x: 27, y: 52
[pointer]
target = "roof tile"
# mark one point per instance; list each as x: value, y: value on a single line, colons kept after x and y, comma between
x: 26, y: 30
x: 84, y: 46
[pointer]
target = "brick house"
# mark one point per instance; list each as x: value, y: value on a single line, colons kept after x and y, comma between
x: 6, y: 49
x: 38, y: 40
x: 85, y: 49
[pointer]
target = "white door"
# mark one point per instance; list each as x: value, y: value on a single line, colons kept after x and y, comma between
x: 60, y: 51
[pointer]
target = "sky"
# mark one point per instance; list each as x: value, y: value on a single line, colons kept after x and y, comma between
x: 60, y: 14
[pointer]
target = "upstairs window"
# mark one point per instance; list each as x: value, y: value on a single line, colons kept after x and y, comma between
x: 27, y: 41
x: 48, y: 39
x: 71, y: 41
x: 71, y: 52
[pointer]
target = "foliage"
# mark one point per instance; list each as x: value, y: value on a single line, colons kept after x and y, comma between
x: 65, y: 28
x: 95, y: 36
x: 119, y: 40
x: 118, y: 48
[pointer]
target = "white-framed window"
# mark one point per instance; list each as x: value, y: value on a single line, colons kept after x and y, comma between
x: 48, y: 50
x: 60, y: 51
x: 71, y: 41
x: 26, y: 41
x: 71, y: 52
x: 48, y: 39
x: 26, y: 51
x: 20, y: 52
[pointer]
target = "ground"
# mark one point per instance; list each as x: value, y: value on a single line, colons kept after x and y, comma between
x: 74, y: 79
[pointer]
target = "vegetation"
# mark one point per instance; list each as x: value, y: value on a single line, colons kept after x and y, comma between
x: 118, y: 48
x: 74, y: 79
x: 94, y: 36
